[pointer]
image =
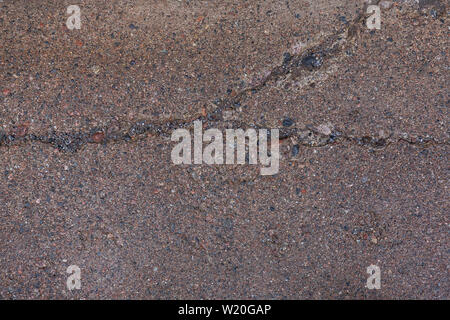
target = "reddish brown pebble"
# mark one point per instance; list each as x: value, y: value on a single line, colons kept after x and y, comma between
x: 98, y: 137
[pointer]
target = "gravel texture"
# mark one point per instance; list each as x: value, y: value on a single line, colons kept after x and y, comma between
x: 86, y: 176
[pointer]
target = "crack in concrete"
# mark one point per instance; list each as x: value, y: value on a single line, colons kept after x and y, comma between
x: 307, y: 136
x: 309, y: 63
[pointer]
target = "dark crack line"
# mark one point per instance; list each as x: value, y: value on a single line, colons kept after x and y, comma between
x: 307, y: 136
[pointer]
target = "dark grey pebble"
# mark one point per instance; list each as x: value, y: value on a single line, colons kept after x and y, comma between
x: 288, y: 122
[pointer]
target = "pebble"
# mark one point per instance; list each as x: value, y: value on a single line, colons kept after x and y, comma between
x: 286, y: 58
x: 95, y: 69
x: 288, y: 122
x: 311, y: 61
x: 324, y: 129
x: 98, y: 137
x: 295, y: 150
x: 343, y: 19
x: 433, y: 13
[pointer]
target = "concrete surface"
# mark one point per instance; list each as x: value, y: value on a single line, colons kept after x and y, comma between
x: 87, y: 179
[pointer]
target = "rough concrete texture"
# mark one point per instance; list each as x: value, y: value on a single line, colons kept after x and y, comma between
x: 87, y: 179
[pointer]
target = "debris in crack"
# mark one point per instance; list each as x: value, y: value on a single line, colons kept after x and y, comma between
x: 286, y: 58
x: 372, y: 142
x: 312, y: 61
x: 66, y: 142
x: 309, y: 136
